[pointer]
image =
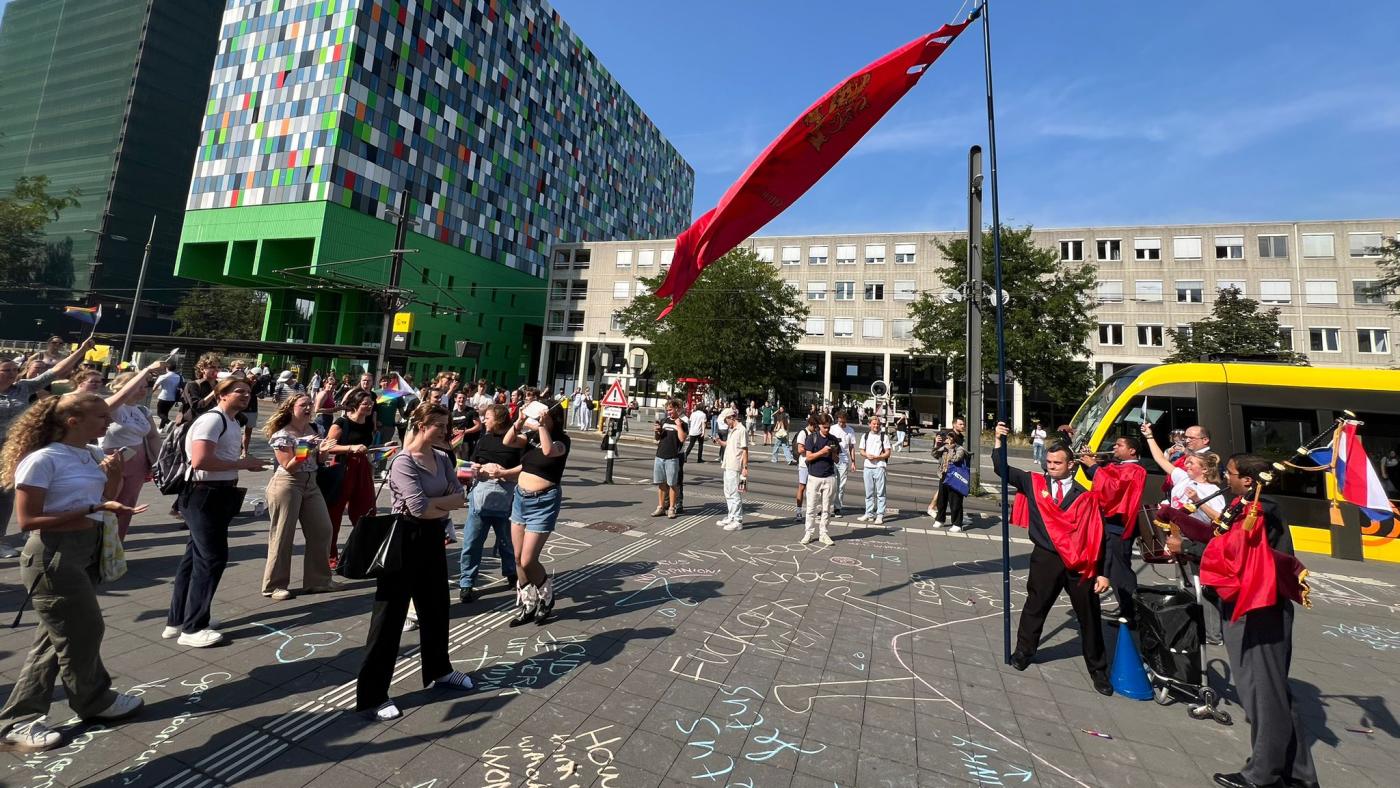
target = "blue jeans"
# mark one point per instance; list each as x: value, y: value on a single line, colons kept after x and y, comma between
x: 874, y: 491
x: 1038, y: 453
x: 781, y: 444
x: 474, y: 539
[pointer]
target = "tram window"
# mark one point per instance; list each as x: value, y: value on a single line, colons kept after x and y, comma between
x: 1163, y: 413
x: 1274, y: 434
x: 1380, y: 434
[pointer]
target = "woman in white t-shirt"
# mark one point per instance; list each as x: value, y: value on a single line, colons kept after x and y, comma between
x: 1196, y: 480
x: 132, y: 432
x: 62, y: 487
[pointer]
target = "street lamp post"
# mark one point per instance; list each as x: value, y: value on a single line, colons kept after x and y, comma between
x: 136, y: 302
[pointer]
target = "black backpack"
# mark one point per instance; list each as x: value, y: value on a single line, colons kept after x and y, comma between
x: 171, y: 470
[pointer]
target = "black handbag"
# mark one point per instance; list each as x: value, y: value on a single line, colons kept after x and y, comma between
x: 373, y: 549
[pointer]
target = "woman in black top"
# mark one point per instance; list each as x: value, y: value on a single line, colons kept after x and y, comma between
x: 353, y: 434
x: 466, y: 426
x: 423, y: 481
x: 536, y: 507
x: 495, y: 468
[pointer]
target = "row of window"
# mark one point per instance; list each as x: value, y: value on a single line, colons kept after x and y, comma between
x: 903, y: 290
x: 872, y: 254
x: 1227, y: 247
x: 1324, y: 339
x: 870, y: 328
x: 1271, y: 291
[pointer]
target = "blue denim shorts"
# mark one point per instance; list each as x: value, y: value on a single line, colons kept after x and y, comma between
x: 538, y: 512
x: 666, y: 472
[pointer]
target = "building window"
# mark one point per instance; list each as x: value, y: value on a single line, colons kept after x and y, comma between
x: 575, y: 321
x: 1190, y: 291
x: 642, y: 289
x: 1149, y: 290
x: 583, y: 258
x: 1184, y: 332
x: 816, y: 255
x: 616, y: 322
x: 905, y: 253
x: 1110, y: 249
x: 624, y: 258
x: 901, y: 328
x: 1221, y: 285
x: 1071, y: 251
x: 1320, y: 291
x: 1150, y: 336
x: 791, y: 285
x: 1110, y: 291
x: 1111, y: 334
x: 845, y: 291
x: 1229, y: 247
x: 1364, y: 244
x: 667, y: 255
x: 843, y: 327
x: 622, y: 289
x: 846, y: 254
x: 874, y: 291
x: 646, y: 258
x: 792, y: 255
x: 1324, y: 340
x: 1275, y: 291
x: 872, y: 328
x: 816, y: 291
x: 874, y: 254
x: 1364, y: 294
x: 1285, y: 337
x: 1273, y: 247
x: 561, y: 260
x: 558, y: 290
x: 1318, y: 245
x: 765, y: 253
x: 1147, y: 248
x: 1186, y: 248
x: 1373, y: 340
x: 579, y: 290
x: 556, y: 321
x: 816, y: 327
x: 905, y: 290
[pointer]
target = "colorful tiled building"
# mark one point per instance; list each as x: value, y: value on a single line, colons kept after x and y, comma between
x: 506, y: 133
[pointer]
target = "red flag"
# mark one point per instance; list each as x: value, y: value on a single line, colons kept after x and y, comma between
x: 1119, y: 488
x: 800, y: 156
x: 1239, y: 565
x: 1076, y: 532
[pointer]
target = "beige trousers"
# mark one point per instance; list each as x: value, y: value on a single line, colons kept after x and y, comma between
x: 292, y: 499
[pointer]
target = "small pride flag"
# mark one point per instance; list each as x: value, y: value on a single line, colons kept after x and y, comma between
x: 84, y: 314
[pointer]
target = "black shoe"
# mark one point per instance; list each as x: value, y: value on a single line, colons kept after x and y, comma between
x: 466, y: 595
x: 1102, y: 685
x: 1020, y: 661
x: 510, y: 581
x: 1111, y: 615
x: 1235, y: 780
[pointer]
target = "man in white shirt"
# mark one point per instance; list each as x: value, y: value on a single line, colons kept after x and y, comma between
x: 167, y: 394
x: 845, y: 459
x: 736, y: 471
x: 1037, y: 443
x: 696, y: 436
x: 875, y: 448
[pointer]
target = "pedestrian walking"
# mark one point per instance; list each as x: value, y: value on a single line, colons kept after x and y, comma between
x: 695, y: 433
x: 781, y: 444
x: 765, y: 415
x: 799, y: 446
x: 425, y: 490
x: 875, y: 448
x: 467, y: 426
x: 133, y: 433
x: 495, y: 470
x: 167, y: 388
x: 820, y: 451
x: 751, y: 414
x: 736, y: 474
x: 326, y: 404
x: 198, y: 396
x: 1037, y: 443
x: 901, y: 434
x: 287, y: 386
x: 293, y: 497
x: 845, y: 460
x: 670, y: 433
x: 62, y: 488
x: 538, y: 496
x: 209, y: 502
x: 351, y: 435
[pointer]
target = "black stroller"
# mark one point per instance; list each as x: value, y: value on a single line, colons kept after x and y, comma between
x: 1171, y: 633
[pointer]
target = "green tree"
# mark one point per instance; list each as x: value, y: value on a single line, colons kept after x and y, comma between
x: 738, y: 326
x: 1047, y: 316
x: 1236, y: 327
x: 213, y: 312
x: 25, y: 259
x: 1390, y: 270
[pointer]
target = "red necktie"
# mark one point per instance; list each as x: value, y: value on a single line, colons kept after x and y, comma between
x: 1059, y: 493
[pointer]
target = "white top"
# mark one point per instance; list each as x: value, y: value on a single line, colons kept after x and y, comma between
x: 847, y: 438
x: 724, y: 415
x: 1038, y: 436
x: 1181, y: 482
x: 71, y: 476
x: 227, y: 438
x: 801, y: 440
x: 287, y: 440
x: 129, y: 426
x: 738, y: 439
x: 697, y: 423
x: 875, y: 443
x: 168, y: 386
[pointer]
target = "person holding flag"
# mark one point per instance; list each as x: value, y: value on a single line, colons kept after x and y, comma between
x: 1066, y: 527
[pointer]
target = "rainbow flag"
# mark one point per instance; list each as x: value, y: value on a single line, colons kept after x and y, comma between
x: 84, y: 314
x: 378, y: 454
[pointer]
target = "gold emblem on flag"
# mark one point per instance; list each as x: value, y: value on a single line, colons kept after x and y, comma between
x: 845, y: 104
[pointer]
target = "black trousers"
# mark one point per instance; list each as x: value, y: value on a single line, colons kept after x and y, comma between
x: 1260, y: 646
x: 1118, y: 566
x: 1046, y: 579
x: 208, y: 510
x: 950, y: 502
x: 692, y: 442
x: 424, y: 580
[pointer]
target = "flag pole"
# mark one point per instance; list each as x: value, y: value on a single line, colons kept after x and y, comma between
x: 1001, y: 329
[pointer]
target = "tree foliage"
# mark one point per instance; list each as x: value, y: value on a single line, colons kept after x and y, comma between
x: 1236, y: 327
x: 220, y: 313
x: 1390, y: 270
x: 25, y: 259
x: 738, y: 326
x: 1047, y: 316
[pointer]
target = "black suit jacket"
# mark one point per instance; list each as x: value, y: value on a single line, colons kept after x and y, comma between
x: 1021, y: 481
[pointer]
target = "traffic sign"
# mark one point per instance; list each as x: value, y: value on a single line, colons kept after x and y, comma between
x: 612, y: 413
x: 616, y: 396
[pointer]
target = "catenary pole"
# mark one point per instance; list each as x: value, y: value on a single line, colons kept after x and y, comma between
x: 972, y: 297
x: 136, y: 302
x: 391, y: 295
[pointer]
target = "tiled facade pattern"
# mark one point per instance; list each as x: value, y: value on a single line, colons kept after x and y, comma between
x: 509, y: 133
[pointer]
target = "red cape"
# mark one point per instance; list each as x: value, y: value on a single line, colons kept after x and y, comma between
x: 1119, y: 489
x: 1240, y: 566
x: 1076, y: 532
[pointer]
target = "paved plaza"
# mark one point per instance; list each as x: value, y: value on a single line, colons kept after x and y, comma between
x: 683, y: 654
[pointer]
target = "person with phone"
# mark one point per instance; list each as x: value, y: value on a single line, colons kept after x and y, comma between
x: 670, y: 433
x: 132, y: 432
x: 535, y: 510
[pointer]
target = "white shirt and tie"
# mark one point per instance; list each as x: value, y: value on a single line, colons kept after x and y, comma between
x: 1059, y: 489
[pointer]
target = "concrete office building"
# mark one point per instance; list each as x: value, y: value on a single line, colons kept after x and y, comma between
x: 507, y: 134
x: 105, y: 96
x: 859, y: 289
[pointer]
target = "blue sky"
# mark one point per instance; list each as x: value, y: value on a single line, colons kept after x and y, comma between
x: 1107, y: 112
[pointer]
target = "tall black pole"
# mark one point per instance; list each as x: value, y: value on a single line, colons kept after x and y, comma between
x: 972, y: 298
x: 391, y: 295
x: 136, y: 302
x: 1001, y: 334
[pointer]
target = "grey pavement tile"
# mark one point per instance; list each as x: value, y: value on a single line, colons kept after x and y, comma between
x: 382, y: 756
x: 624, y: 708
x: 886, y: 773
x: 650, y: 750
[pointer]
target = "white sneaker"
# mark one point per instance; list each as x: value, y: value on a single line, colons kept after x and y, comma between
x: 825, y: 539
x: 204, y: 638
x: 955, y: 529
x: 806, y: 538
x: 734, y: 525
x: 864, y: 518
x: 723, y: 522
x: 34, y: 737
x: 879, y: 520
x: 932, y: 513
x: 169, y: 632
x: 280, y: 595
x: 124, y: 706
x: 410, y: 624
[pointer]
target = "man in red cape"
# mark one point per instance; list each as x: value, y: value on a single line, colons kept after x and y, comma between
x: 1119, y: 487
x: 1066, y: 527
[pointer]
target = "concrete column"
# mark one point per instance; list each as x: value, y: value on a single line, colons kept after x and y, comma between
x: 949, y: 387
x: 582, y: 363
x: 888, y: 382
x: 1018, y: 415
x: 826, y: 376
x: 544, y: 367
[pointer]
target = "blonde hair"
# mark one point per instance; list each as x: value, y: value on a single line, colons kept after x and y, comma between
x: 1210, y: 466
x: 119, y: 381
x: 283, y: 415
x: 38, y: 426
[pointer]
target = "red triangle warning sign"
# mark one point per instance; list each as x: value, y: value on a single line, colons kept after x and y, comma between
x: 616, y: 396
